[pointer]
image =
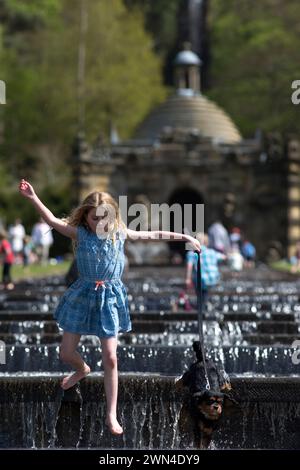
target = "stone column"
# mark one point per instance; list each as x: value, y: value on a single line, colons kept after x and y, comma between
x: 293, y: 194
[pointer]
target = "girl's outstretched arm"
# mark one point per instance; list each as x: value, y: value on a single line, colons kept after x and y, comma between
x: 163, y: 235
x: 62, y: 227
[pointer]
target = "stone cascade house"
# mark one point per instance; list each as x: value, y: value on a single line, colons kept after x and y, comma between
x: 189, y: 151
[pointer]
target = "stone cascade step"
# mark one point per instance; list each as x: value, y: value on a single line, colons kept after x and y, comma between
x: 150, y: 410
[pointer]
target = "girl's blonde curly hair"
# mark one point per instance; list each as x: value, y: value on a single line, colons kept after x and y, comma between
x: 93, y: 200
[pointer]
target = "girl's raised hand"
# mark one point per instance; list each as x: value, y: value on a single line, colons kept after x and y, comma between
x: 196, y: 244
x: 26, y: 189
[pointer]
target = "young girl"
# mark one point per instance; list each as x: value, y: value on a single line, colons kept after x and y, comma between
x: 95, y: 304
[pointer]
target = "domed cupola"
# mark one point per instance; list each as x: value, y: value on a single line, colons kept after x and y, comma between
x: 188, y: 109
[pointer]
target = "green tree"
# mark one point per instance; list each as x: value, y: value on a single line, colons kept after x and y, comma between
x: 39, y: 63
x: 23, y: 117
x: 160, y: 20
x: 255, y: 49
x: 29, y: 10
x: 122, y: 79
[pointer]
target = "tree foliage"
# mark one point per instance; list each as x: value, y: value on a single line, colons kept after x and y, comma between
x: 255, y: 49
x: 122, y: 75
x: 254, y: 59
x: 160, y: 20
x: 39, y: 63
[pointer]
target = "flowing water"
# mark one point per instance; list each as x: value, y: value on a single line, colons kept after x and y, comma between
x: 251, y: 324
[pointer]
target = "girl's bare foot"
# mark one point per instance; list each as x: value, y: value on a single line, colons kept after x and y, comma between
x: 113, y: 426
x: 72, y: 379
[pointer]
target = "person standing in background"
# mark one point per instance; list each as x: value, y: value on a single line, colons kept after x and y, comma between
x: 210, y: 274
x: 249, y: 254
x: 219, y: 238
x: 295, y: 260
x: 42, y: 239
x: 7, y: 260
x: 16, y: 233
x: 236, y: 239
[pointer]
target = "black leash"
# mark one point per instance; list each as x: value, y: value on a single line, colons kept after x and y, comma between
x: 200, y: 317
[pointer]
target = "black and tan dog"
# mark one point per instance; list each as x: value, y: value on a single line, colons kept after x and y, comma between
x: 205, y: 407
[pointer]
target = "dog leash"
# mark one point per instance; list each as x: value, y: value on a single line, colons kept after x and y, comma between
x: 200, y: 317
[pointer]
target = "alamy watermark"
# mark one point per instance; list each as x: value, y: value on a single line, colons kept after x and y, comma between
x: 187, y: 219
x: 296, y: 353
x: 296, y: 94
x: 2, y: 92
x: 2, y: 352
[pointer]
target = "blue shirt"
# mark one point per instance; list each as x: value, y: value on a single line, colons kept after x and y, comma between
x: 210, y: 274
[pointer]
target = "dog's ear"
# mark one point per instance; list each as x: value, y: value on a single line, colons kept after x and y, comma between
x: 179, y: 383
x: 184, y: 380
x: 226, y: 387
x: 223, y: 379
x: 200, y: 395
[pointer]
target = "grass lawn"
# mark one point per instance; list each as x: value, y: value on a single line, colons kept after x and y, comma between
x: 34, y: 270
x: 282, y: 265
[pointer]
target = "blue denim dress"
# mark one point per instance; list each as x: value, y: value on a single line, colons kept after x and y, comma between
x: 89, y: 307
